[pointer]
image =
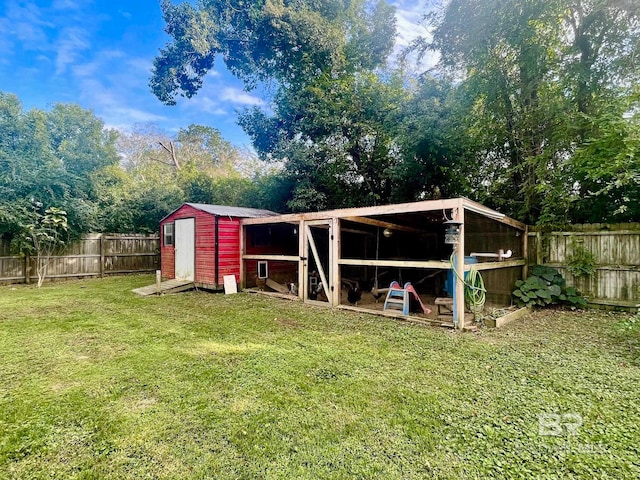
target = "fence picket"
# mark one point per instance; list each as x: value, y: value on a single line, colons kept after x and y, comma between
x: 616, y: 248
x: 92, y: 255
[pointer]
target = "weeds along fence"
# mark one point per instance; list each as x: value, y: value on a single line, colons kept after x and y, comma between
x: 94, y: 255
x: 612, y: 252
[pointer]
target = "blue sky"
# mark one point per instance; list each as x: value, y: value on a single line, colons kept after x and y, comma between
x: 99, y: 54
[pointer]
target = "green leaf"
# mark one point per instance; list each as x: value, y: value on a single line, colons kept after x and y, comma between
x: 543, y: 293
x: 555, y: 290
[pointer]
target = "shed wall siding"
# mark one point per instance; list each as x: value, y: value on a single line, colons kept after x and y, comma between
x: 229, y: 246
x: 205, y: 248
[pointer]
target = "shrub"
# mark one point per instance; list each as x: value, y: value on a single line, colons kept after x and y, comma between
x: 582, y: 263
x: 546, y: 286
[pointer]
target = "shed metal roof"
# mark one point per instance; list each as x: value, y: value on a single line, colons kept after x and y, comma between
x: 225, y: 211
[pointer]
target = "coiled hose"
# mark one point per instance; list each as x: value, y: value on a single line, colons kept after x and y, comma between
x: 475, y: 294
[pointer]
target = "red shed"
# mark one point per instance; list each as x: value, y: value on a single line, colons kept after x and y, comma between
x: 201, y: 242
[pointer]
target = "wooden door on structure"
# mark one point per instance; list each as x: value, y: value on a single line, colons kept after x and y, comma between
x: 185, y: 245
x: 318, y: 268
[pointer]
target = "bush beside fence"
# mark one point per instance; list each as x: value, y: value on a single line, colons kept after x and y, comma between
x: 614, y: 252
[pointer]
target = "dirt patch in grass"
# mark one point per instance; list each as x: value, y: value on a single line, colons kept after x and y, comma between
x: 287, y: 322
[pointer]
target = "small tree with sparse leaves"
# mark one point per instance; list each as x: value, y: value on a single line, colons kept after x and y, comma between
x: 44, y: 235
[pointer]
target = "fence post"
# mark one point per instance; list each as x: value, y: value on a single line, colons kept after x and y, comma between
x: 525, y: 250
x: 539, y: 257
x: 27, y: 268
x: 102, y: 255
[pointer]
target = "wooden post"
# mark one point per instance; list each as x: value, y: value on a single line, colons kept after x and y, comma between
x: 158, y: 281
x: 102, y: 255
x: 334, y: 256
x: 27, y: 268
x: 243, y: 232
x: 302, y: 250
x: 525, y: 252
x: 460, y: 266
x: 539, y: 258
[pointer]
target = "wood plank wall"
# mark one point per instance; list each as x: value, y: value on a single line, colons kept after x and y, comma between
x: 616, y: 249
x: 93, y: 255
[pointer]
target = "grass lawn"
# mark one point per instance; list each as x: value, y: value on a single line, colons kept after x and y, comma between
x: 98, y: 383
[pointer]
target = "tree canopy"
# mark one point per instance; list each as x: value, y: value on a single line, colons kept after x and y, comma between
x: 64, y: 160
x: 545, y: 83
x: 532, y: 108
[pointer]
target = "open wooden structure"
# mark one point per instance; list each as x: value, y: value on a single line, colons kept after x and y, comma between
x: 318, y: 256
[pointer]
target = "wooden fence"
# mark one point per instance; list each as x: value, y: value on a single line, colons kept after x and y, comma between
x: 616, y: 251
x: 94, y: 255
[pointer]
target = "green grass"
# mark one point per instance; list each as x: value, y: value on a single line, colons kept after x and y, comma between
x: 98, y: 383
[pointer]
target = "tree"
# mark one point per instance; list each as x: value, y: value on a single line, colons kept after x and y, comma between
x: 150, y: 183
x: 53, y: 158
x: 434, y: 148
x: 291, y: 42
x: 329, y: 119
x: 538, y: 76
x: 337, y: 137
x: 44, y: 235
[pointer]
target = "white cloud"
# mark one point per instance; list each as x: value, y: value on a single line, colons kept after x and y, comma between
x: 65, y: 5
x: 240, y: 97
x: 142, y: 65
x: 25, y: 23
x: 411, y: 26
x: 99, y: 61
x: 68, y: 46
x: 208, y: 105
x: 130, y: 115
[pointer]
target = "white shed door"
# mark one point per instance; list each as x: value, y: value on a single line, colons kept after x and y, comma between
x: 185, y: 244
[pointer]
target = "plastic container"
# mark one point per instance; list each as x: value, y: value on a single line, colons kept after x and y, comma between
x: 449, y: 284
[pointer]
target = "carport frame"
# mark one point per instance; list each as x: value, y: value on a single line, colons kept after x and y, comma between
x: 457, y: 206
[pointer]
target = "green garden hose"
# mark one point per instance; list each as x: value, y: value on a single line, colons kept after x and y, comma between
x: 475, y: 294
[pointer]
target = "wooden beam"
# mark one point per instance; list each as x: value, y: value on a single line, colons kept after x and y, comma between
x: 391, y: 314
x: 283, y: 296
x: 278, y: 287
x: 334, y: 257
x: 458, y: 297
x: 495, y: 265
x: 413, y: 207
x: 438, y: 264
x: 283, y: 258
x: 302, y: 262
x: 243, y: 233
x: 380, y: 223
x: 305, y: 258
x: 358, y: 232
